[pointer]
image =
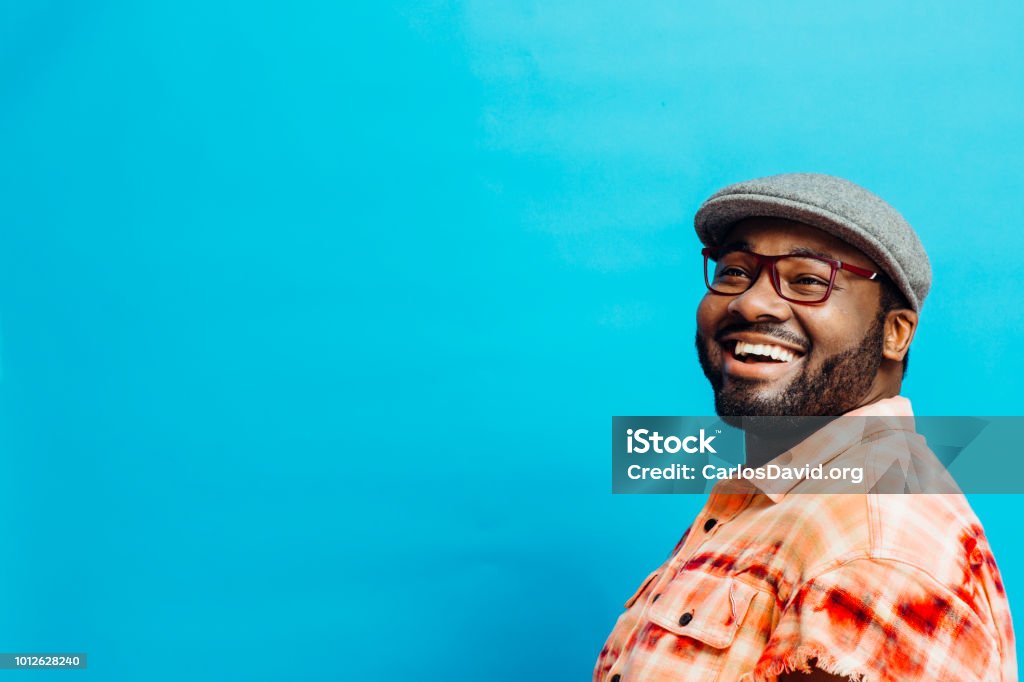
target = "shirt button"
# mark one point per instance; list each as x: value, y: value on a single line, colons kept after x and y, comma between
x: 709, y: 524
x: 685, y: 618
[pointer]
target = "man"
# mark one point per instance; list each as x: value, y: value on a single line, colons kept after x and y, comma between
x: 814, y: 290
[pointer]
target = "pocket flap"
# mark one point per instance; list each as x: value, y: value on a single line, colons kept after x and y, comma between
x: 706, y: 607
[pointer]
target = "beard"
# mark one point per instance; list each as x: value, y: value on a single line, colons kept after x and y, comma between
x: 834, y: 388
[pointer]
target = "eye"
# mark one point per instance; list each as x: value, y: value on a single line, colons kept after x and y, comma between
x: 732, y: 271
x: 810, y: 280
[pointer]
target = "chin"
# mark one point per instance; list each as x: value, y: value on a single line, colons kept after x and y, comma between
x: 739, y: 401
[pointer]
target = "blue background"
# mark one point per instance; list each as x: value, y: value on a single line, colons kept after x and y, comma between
x: 314, y: 315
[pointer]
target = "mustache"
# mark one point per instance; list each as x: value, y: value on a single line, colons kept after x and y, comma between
x: 772, y: 329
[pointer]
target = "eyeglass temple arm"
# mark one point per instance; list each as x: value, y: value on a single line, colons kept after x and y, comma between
x: 858, y: 271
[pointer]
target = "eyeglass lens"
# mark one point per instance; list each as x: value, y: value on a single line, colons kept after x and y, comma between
x: 801, y: 278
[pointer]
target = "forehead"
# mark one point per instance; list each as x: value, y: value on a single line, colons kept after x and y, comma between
x: 777, y: 236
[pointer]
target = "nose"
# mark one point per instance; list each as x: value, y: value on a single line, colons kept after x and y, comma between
x: 760, y: 301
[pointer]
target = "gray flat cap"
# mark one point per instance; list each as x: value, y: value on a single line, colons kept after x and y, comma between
x: 833, y: 205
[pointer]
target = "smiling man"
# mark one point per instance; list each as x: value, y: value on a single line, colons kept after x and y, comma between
x: 815, y: 286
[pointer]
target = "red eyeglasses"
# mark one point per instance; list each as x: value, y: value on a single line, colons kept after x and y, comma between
x: 802, y: 279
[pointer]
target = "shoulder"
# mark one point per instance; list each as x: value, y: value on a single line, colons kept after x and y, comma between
x: 934, y: 533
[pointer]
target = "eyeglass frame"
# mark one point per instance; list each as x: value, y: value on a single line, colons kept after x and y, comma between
x: 773, y: 274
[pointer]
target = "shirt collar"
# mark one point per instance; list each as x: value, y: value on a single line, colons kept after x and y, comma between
x: 897, y: 406
x: 834, y: 438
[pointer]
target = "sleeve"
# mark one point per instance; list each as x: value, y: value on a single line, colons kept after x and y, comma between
x: 880, y: 621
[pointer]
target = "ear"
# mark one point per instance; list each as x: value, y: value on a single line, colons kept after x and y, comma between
x: 900, y: 325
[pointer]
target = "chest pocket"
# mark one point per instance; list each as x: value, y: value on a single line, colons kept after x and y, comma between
x: 703, y: 606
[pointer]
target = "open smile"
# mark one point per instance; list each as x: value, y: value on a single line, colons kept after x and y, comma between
x: 757, y: 357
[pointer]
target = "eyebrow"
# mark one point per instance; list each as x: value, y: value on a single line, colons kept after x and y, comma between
x: 735, y: 246
x: 740, y: 245
x: 804, y: 251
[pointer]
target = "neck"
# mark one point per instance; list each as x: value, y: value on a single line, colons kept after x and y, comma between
x: 768, y: 437
x: 887, y: 384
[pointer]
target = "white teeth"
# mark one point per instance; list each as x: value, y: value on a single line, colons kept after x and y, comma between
x: 767, y: 350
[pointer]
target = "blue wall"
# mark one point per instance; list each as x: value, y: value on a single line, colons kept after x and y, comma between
x: 314, y: 315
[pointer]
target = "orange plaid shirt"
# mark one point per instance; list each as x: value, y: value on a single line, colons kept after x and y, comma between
x: 874, y: 587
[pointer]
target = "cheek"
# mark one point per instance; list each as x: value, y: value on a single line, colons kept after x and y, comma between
x: 709, y: 314
x: 836, y: 331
